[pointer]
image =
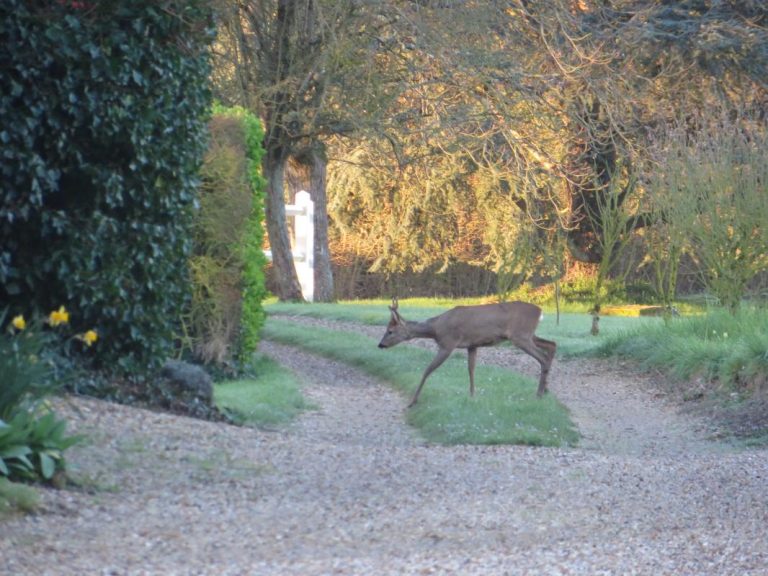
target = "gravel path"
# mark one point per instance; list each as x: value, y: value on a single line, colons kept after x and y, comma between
x: 349, y: 489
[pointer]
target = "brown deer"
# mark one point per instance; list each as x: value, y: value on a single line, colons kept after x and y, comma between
x: 472, y: 327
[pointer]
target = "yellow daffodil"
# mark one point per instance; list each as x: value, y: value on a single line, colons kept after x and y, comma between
x: 60, y: 316
x: 89, y: 337
x: 19, y: 323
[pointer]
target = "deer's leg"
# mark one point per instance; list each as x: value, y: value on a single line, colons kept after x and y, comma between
x: 543, y: 351
x: 549, y: 347
x: 442, y: 355
x: 471, y: 357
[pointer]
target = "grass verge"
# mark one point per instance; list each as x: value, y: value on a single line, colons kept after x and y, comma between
x: 719, y: 358
x: 272, y: 398
x: 505, y: 409
x: 731, y: 350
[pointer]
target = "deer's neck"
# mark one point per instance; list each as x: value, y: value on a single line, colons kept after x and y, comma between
x: 421, y: 330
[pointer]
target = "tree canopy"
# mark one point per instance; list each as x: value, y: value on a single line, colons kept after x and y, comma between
x: 490, y: 132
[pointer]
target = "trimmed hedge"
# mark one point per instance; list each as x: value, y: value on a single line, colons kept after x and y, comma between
x: 102, y: 129
x: 228, y: 285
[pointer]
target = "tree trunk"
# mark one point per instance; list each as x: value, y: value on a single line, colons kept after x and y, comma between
x: 324, y: 291
x: 288, y: 287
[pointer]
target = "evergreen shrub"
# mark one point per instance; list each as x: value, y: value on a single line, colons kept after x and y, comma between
x: 227, y: 266
x: 103, y: 125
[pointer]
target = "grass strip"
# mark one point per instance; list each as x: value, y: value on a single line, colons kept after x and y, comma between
x: 271, y: 398
x: 505, y: 409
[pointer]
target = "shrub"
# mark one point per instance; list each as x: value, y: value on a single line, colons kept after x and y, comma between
x: 713, y: 187
x: 227, y: 265
x: 102, y: 109
x: 254, y: 281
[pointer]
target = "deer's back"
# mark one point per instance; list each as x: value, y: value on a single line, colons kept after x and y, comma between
x: 486, y: 324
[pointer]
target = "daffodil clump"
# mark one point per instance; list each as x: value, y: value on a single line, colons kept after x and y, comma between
x: 32, y: 439
x: 56, y: 318
x: 28, y: 357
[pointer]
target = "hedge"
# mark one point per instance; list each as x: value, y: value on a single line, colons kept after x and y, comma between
x: 103, y: 111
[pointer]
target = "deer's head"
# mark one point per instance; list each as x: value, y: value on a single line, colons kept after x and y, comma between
x: 397, y: 329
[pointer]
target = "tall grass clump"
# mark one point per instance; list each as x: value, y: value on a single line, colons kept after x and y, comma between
x: 728, y: 349
x: 505, y: 409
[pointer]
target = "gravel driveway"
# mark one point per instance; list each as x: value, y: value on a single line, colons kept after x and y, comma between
x: 349, y: 489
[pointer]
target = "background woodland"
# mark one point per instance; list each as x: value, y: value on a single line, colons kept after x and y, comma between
x: 465, y: 148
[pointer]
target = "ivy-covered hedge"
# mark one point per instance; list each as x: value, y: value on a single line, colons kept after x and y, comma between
x: 102, y: 129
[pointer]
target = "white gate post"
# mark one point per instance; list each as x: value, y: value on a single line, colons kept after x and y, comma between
x: 303, y: 248
x: 304, y: 242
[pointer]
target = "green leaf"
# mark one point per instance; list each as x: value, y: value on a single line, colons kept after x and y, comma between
x: 19, y: 452
x: 47, y: 466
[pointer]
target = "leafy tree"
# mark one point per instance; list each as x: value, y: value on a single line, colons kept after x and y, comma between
x: 295, y: 60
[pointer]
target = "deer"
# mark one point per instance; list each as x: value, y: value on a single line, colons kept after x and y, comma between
x: 474, y: 327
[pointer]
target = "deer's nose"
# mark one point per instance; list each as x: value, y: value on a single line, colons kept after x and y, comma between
x: 381, y: 345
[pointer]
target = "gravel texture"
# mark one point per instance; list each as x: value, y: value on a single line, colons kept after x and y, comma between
x: 349, y: 489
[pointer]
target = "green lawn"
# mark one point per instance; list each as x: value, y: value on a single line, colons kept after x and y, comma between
x: 505, y: 409
x: 731, y: 351
x: 272, y: 397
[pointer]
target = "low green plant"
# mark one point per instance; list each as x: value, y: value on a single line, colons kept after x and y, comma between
x: 30, y: 359
x: 16, y: 497
x: 32, y: 442
x: 271, y: 397
x: 32, y: 446
x: 25, y: 374
x: 504, y: 411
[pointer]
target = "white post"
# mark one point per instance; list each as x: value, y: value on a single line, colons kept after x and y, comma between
x: 304, y: 244
x: 303, y: 248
